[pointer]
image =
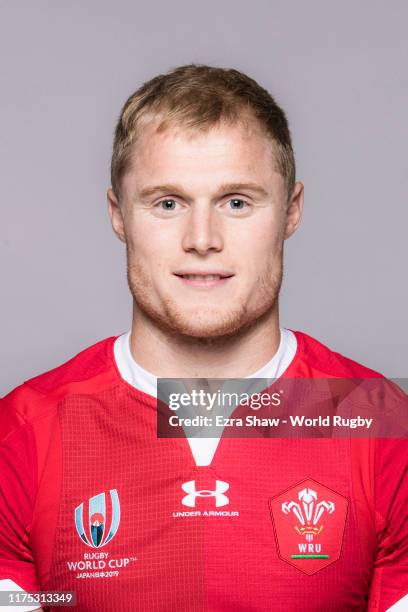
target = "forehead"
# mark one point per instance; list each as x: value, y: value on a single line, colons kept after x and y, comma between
x: 238, y: 152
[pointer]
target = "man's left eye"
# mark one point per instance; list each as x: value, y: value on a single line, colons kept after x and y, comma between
x: 237, y: 204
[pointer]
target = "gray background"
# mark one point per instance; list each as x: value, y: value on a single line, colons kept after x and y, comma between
x: 338, y: 69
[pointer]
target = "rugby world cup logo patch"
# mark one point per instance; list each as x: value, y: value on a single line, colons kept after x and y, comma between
x: 309, y: 521
x: 97, y: 521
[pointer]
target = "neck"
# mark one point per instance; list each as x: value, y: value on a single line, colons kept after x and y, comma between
x: 168, y: 356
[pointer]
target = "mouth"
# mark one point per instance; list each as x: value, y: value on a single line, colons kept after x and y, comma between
x: 204, y: 280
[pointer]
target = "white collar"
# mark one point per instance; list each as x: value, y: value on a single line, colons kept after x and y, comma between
x: 202, y: 449
x: 145, y: 381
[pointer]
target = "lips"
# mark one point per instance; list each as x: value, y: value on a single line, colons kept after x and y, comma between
x: 206, y: 279
x: 204, y: 274
x: 202, y: 277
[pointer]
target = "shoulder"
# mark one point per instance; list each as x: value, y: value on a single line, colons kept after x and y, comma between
x: 382, y: 397
x: 89, y: 363
x: 316, y: 359
x: 89, y: 371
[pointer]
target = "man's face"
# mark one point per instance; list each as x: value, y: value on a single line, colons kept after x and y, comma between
x: 204, y: 217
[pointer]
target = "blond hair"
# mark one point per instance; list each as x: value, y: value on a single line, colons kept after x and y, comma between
x: 199, y: 97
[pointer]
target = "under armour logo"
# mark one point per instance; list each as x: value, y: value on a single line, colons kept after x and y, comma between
x: 190, y: 498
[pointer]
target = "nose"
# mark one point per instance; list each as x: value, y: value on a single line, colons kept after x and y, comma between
x: 203, y: 229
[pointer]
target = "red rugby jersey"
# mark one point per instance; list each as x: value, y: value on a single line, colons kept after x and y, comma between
x: 92, y: 501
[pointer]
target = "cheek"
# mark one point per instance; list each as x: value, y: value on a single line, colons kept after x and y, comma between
x: 145, y: 245
x: 259, y: 248
x: 148, y: 263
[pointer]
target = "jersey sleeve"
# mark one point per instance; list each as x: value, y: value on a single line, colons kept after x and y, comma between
x: 390, y: 577
x: 18, y: 484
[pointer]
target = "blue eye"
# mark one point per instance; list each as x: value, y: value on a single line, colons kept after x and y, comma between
x: 168, y: 204
x: 237, y: 204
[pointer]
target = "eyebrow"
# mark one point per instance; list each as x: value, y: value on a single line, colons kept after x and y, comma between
x: 225, y: 188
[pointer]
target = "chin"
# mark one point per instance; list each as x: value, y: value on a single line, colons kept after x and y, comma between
x: 201, y: 325
x: 207, y: 327
x: 199, y: 321
x: 206, y: 330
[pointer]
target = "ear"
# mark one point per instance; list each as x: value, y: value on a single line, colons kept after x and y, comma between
x: 116, y: 215
x: 294, y: 210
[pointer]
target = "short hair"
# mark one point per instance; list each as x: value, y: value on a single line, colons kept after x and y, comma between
x: 199, y: 97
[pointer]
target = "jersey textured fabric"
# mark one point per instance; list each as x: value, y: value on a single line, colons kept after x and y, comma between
x: 92, y: 501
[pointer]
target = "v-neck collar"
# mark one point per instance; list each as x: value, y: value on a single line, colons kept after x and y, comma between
x: 203, y: 450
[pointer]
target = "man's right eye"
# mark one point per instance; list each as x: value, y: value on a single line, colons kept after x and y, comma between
x: 168, y: 204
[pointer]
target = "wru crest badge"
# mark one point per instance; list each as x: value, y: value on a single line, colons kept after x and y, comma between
x: 309, y: 521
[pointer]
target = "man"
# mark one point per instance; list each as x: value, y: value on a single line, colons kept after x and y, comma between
x: 92, y: 500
